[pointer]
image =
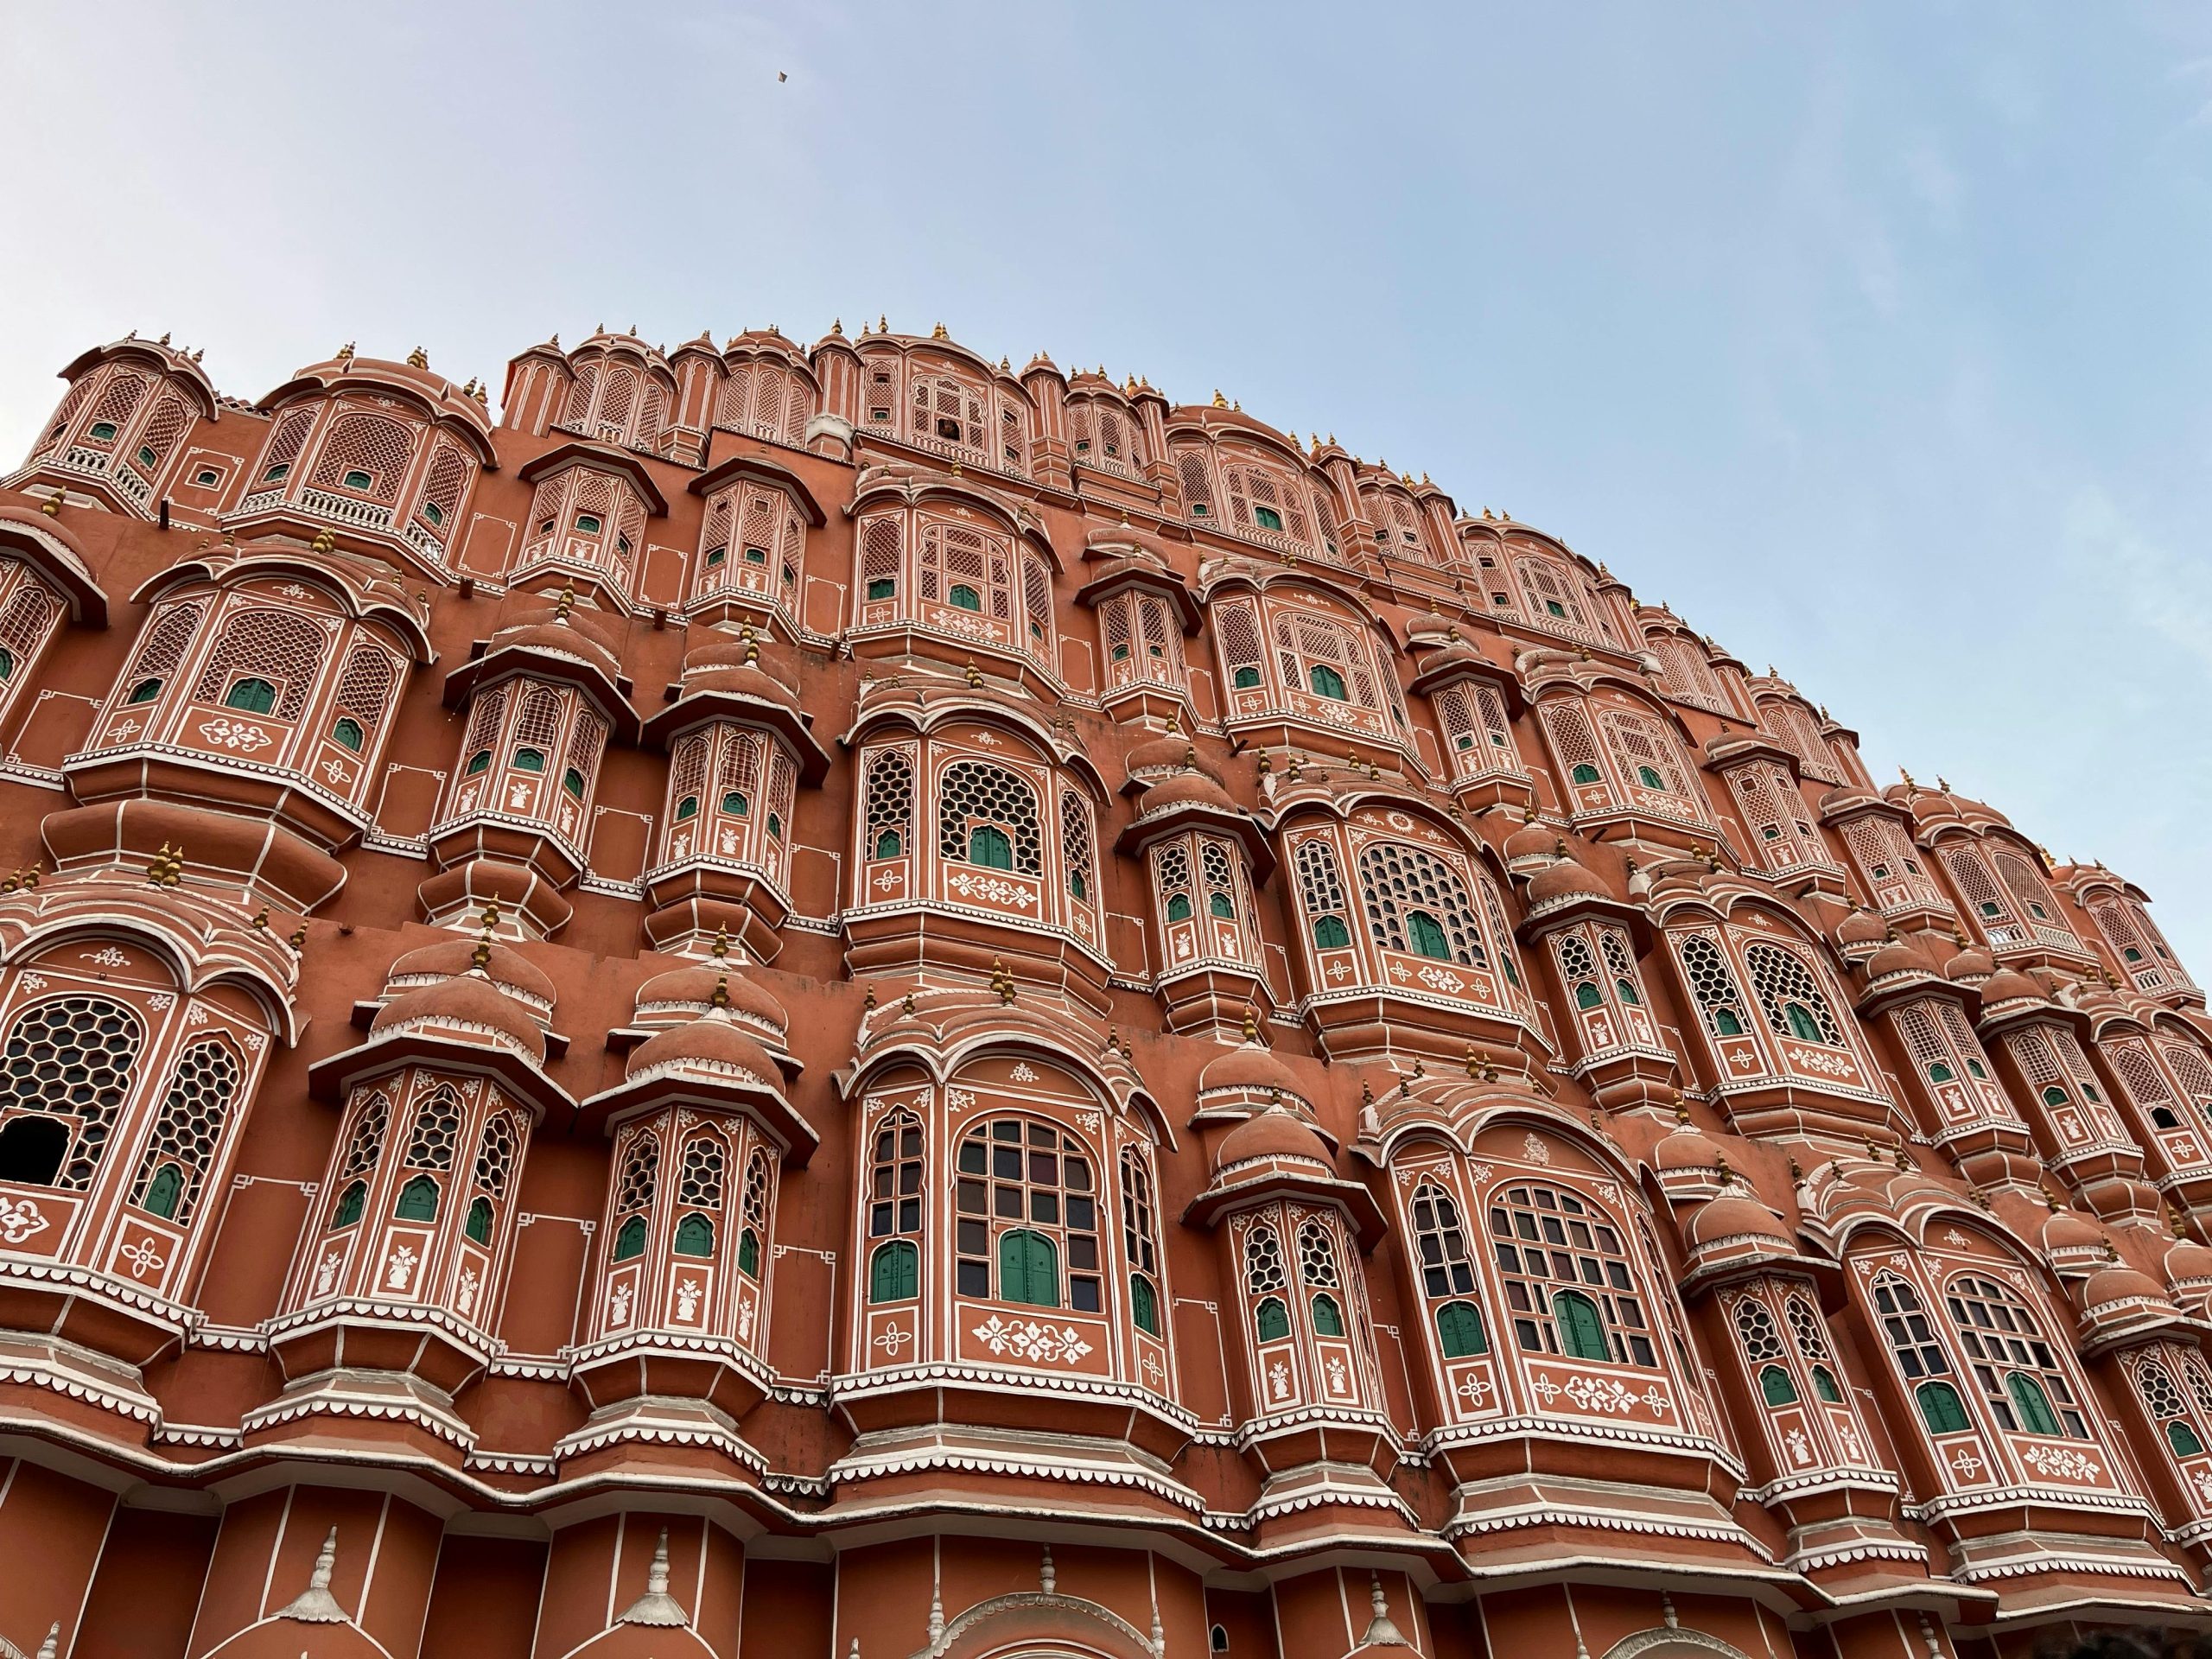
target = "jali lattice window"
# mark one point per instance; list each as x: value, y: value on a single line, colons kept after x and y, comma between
x: 71, y: 1056
x: 987, y: 817
x: 1569, y: 1285
x: 1026, y: 1201
x: 187, y: 1133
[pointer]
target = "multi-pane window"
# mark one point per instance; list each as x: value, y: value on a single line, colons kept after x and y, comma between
x: 362, y: 1148
x: 1811, y: 1338
x: 1447, y: 1272
x: 1890, y: 865
x: 1320, y: 885
x: 2017, y: 1369
x: 1325, y: 658
x: 633, y: 1196
x: 1919, y: 1355
x: 895, y: 1209
x: 1569, y: 1285
x: 1478, y: 736
x: 2164, y: 1403
x: 1027, y: 1224
x: 1761, y: 1341
x: 987, y: 817
x: 1791, y: 997
x: 890, y: 804
x: 1138, y: 1248
x: 1416, y: 902
x: 1712, y: 985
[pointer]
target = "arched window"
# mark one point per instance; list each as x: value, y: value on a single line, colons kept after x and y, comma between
x: 73, y: 1057
x: 1914, y: 1345
x: 1440, y: 1240
x: 895, y: 1272
x: 189, y: 1127
x: 2016, y: 1368
x: 1320, y: 885
x: 894, y: 1189
x: 1264, y: 1276
x: 633, y: 1195
x: 1418, y: 903
x: 987, y: 816
x: 252, y: 693
x: 1812, y: 1346
x: 890, y: 802
x: 753, y: 1211
x: 1326, y: 657
x: 264, y: 661
x: 1460, y: 1331
x: 1034, y: 1185
x: 418, y: 1200
x: 1941, y: 1408
x: 1075, y: 844
x: 367, y: 455
x: 1548, y: 1239
x: 2162, y: 1400
x: 1271, y: 1321
x: 1137, y: 1242
x: 31, y: 1150
x: 694, y: 1235
x: 478, y: 1225
x: 1791, y: 997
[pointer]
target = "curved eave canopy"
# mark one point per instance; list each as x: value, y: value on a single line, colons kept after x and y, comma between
x: 330, y: 1077
x: 433, y: 395
x: 700, y: 707
x: 411, y: 625
x: 1224, y: 1197
x: 41, y: 543
x: 503, y: 662
x: 1579, y: 906
x: 155, y: 355
x: 578, y: 453
x: 767, y: 1106
x: 762, y: 470
x: 1124, y: 574
x: 1146, y: 828
x: 1443, y: 671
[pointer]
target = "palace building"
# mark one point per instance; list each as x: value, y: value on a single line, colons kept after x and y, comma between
x: 848, y: 1002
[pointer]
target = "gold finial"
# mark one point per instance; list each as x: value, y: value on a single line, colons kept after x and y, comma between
x: 418, y: 359
x: 345, y: 353
x: 1265, y: 765
x: 1002, y: 981
x: 882, y: 325
x: 299, y: 938
x: 1902, y: 1162
x: 837, y: 328
x: 565, y: 603
x: 938, y: 332
x: 52, y: 506
x: 1796, y: 1173
x: 721, y: 998
x: 974, y: 675
x: 260, y: 918
x: 166, y: 868
x: 1907, y: 776
x: 1251, y: 1024
x: 1219, y: 402
x: 1474, y: 1063
x: 868, y: 1003
x: 324, y: 542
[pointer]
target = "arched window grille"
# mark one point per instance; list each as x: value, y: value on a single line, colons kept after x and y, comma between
x: 1919, y: 1355
x: 73, y: 1057
x: 1712, y: 985
x: 1076, y: 847
x: 362, y: 1149
x: 1791, y: 997
x: 1321, y: 886
x: 1417, y: 902
x: 2163, y: 1403
x: 1570, y: 1288
x: 1138, y: 1246
x: 1026, y: 1199
x: 753, y: 1213
x: 895, y: 1209
x: 633, y: 1197
x: 279, y: 646
x: 2016, y: 1368
x: 186, y: 1132
x: 987, y: 817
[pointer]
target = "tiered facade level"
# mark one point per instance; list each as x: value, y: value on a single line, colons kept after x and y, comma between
x: 841, y: 1001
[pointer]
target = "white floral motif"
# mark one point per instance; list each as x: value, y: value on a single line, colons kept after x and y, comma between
x: 196, y: 1014
x: 618, y: 1304
x: 336, y: 771
x: 1278, y: 1381
x: 1028, y: 1339
x: 1339, y: 1379
x: 105, y: 956
x: 1023, y: 1073
x: 892, y: 1339
x: 144, y: 1257
x: 745, y: 1321
x: 34, y: 982
x: 239, y: 736
x: 399, y: 1267
x: 20, y: 1219
x: 992, y: 889
x: 123, y: 731
x: 1969, y: 1465
x: 1828, y: 1065
x: 1472, y: 1389
x: 1535, y: 1150
x: 1442, y: 979
x: 687, y: 1299
x: 326, y: 1273
x: 160, y: 1001
x: 1801, y: 1449
x: 2063, y: 1462
x: 465, y: 1291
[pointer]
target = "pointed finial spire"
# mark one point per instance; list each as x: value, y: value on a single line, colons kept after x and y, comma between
x: 316, y: 1605
x: 656, y: 1607
x: 324, y: 542
x: 1219, y: 402
x: 1381, y: 1632
x: 418, y: 359
x: 51, y: 1648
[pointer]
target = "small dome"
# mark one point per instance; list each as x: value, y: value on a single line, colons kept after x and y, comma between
x: 1187, y: 788
x: 2120, y: 1283
x: 1562, y: 880
x: 1531, y: 841
x: 506, y: 967
x: 1733, y: 1216
x: 2189, y: 1263
x: 469, y: 1001
x: 731, y: 665
x: 1685, y: 1148
x: 1896, y: 956
x: 1249, y: 1066
x: 694, y: 987
x: 2006, y: 986
x: 2067, y: 1230
x: 1970, y: 965
x: 560, y: 640
x: 1861, y: 927
x: 1171, y: 752
x: 713, y: 1047
x: 1272, y: 1133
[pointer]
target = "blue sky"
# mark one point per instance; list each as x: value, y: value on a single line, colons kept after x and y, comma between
x: 1870, y: 338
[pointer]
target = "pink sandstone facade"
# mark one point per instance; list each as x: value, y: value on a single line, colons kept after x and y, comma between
x: 843, y: 1001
